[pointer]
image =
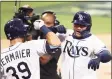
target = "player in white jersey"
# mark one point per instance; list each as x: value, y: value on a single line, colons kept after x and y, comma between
x: 21, y: 59
x: 82, y: 52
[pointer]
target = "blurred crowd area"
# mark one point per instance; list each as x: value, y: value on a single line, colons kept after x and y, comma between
x: 94, y: 8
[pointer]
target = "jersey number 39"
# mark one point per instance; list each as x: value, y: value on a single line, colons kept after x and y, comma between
x: 26, y: 69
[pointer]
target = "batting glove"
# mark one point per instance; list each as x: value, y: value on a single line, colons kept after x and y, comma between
x: 94, y: 64
x: 38, y: 24
x: 60, y: 29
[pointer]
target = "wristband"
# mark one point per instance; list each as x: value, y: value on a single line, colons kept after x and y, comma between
x: 44, y: 29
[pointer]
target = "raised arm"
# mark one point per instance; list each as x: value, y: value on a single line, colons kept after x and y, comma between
x: 51, y: 37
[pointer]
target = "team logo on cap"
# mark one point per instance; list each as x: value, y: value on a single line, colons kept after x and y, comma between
x: 80, y: 17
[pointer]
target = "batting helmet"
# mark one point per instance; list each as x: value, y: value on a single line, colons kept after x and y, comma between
x: 83, y: 18
x: 14, y: 29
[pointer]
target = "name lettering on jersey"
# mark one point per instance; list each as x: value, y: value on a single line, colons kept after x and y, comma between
x: 75, y: 51
x: 15, y: 55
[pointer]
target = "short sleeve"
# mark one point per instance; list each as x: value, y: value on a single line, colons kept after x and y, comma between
x: 39, y: 45
x: 99, y: 46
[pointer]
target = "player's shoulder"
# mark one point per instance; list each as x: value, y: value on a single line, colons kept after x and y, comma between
x: 4, y: 50
x: 11, y: 48
x: 69, y: 31
x: 35, y: 41
x: 96, y: 39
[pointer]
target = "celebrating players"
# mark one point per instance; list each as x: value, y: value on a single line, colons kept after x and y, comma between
x: 21, y: 59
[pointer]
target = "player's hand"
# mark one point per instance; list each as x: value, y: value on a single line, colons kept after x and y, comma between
x: 60, y: 29
x: 38, y: 24
x: 94, y: 64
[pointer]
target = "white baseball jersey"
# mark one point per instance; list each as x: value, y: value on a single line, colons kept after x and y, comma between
x: 21, y: 61
x: 76, y: 54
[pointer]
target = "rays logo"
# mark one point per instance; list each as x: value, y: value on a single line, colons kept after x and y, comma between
x: 75, y: 51
x: 80, y: 17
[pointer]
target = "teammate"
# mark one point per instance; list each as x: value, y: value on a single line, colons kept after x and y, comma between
x: 82, y: 52
x: 21, y: 59
x: 48, y: 69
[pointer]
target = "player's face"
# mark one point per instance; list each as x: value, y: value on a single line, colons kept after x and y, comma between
x: 49, y: 20
x: 78, y: 29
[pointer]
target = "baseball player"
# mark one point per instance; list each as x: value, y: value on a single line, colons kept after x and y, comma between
x: 48, y: 69
x: 82, y: 52
x: 21, y: 59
